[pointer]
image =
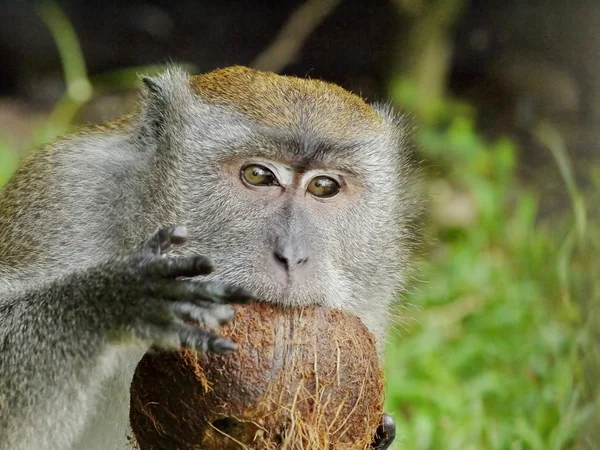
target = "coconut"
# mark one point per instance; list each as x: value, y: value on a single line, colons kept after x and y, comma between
x: 301, y: 379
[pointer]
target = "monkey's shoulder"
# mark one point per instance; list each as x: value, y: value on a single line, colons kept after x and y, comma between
x: 70, y: 195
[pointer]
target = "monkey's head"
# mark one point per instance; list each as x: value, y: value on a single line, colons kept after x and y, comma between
x: 297, y: 189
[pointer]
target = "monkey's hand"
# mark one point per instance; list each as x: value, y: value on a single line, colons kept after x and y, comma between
x: 156, y: 296
x: 386, y: 433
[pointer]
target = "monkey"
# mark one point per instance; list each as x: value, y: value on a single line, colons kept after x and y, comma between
x: 222, y: 188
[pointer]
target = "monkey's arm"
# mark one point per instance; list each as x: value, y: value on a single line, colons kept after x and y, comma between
x: 59, y: 340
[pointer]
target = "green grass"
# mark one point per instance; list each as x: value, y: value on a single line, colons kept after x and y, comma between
x: 491, y: 348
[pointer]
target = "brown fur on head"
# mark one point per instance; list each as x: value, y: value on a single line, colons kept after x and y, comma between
x: 275, y: 100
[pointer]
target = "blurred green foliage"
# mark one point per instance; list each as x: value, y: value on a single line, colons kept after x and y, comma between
x: 8, y: 162
x: 489, y: 349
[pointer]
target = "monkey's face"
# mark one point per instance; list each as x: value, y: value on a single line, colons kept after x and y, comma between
x: 299, y: 230
x: 295, y: 212
x: 298, y: 198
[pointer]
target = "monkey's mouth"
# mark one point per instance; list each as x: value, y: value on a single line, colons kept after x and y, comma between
x: 292, y: 301
x: 292, y: 293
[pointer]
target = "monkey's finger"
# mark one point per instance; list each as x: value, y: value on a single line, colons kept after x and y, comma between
x: 386, y: 433
x: 164, y: 238
x: 199, y: 293
x: 203, y: 341
x: 196, y: 292
x: 181, y: 266
x: 226, y: 293
x: 174, y: 334
x: 212, y: 316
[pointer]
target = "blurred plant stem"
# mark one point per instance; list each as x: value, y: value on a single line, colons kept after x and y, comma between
x: 79, y: 90
x: 293, y: 34
x: 547, y: 135
x: 422, y: 58
x: 80, y: 87
x: 550, y: 138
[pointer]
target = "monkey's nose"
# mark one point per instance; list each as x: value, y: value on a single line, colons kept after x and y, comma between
x: 287, y: 263
x: 290, y: 255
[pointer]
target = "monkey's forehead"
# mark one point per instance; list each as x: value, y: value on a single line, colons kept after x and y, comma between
x: 288, y: 102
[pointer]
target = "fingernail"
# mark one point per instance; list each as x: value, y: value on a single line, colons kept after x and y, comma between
x: 244, y: 295
x: 222, y: 345
x: 204, y: 265
x: 179, y: 234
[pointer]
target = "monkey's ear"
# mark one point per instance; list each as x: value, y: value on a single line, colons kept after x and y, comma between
x: 155, y: 106
x: 163, y: 97
x: 151, y: 85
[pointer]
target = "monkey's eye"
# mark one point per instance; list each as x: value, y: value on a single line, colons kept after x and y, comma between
x: 258, y: 175
x: 323, y: 187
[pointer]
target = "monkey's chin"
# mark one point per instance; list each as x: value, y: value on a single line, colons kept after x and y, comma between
x: 292, y: 294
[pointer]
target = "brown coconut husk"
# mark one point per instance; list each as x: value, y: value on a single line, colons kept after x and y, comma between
x: 301, y: 379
